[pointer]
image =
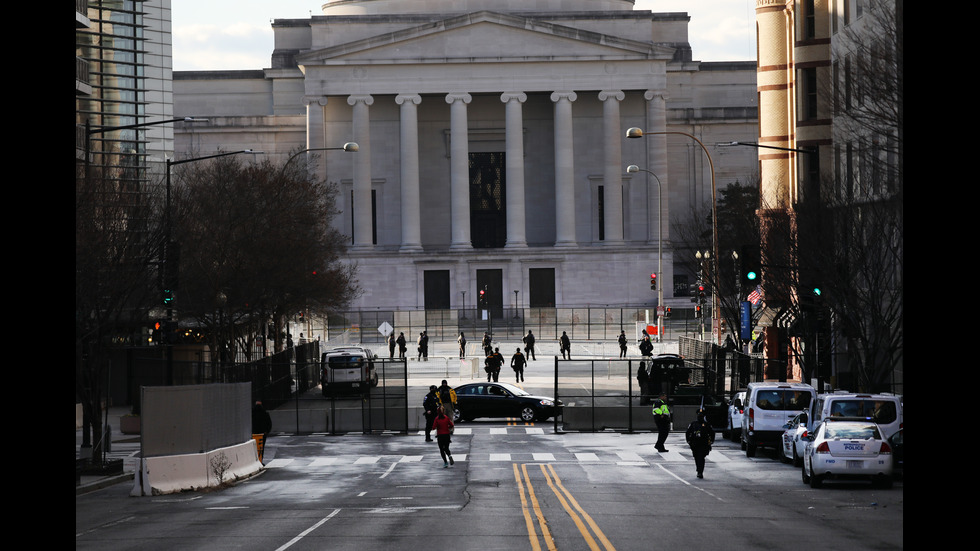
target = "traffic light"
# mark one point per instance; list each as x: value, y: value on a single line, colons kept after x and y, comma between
x: 482, y: 298
x: 168, y: 297
x: 701, y: 296
x: 667, y: 313
x: 653, y: 282
x: 751, y: 276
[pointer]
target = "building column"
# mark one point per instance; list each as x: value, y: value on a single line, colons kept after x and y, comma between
x: 656, y: 159
x: 564, y: 170
x: 316, y: 131
x: 362, y: 170
x: 612, y: 175
x: 516, y: 236
x: 459, y: 166
x: 409, y: 145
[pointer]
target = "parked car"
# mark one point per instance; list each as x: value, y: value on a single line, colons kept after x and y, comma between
x: 736, y: 408
x: 348, y: 368
x: 794, y: 439
x: 884, y: 409
x: 768, y: 406
x: 897, y: 442
x: 502, y: 400
x: 842, y: 448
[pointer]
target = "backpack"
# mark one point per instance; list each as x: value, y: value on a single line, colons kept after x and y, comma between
x: 445, y: 396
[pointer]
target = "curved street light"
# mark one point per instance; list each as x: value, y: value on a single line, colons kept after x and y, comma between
x: 635, y: 132
x: 660, y: 249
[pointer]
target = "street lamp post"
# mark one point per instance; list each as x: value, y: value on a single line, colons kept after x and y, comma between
x: 635, y: 132
x: 350, y: 147
x: 660, y: 249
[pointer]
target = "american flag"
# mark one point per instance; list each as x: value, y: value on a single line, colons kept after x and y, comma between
x: 755, y: 296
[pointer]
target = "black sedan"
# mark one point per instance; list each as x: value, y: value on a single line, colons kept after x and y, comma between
x: 502, y: 400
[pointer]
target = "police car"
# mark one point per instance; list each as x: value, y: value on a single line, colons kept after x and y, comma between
x: 847, y: 448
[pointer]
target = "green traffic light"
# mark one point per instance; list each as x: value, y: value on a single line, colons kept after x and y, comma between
x: 750, y: 276
x: 816, y: 291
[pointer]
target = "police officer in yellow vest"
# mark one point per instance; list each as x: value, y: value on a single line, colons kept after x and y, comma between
x: 661, y: 416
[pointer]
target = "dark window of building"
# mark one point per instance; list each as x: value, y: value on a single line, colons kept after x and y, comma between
x: 541, y: 283
x: 436, y: 289
x: 601, y: 214
x: 488, y: 212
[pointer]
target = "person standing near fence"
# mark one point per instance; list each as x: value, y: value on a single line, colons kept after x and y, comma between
x: 391, y: 345
x: 461, y: 339
x: 402, y: 346
x: 622, y: 344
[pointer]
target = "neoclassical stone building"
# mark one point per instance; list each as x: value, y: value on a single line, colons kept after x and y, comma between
x: 492, y: 142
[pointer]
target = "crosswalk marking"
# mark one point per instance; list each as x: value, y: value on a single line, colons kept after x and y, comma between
x: 619, y: 457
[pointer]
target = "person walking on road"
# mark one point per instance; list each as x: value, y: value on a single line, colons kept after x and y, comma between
x: 622, y: 344
x: 430, y: 404
x: 517, y: 363
x: 529, y: 345
x: 661, y: 416
x: 444, y: 431
x: 492, y: 365
x: 447, y: 398
x: 566, y: 346
x: 700, y: 436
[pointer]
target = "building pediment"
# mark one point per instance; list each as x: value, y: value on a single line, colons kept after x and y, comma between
x: 484, y: 37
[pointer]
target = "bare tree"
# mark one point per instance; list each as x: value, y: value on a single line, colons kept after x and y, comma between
x: 117, y: 248
x: 738, y: 232
x: 256, y: 243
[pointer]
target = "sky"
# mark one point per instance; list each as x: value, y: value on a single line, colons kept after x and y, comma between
x: 214, y: 35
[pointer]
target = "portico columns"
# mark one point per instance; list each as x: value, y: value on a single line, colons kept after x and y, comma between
x: 515, y: 168
x: 613, y: 166
x: 459, y: 166
x: 315, y: 136
x: 362, y: 211
x: 410, y: 202
x: 564, y: 170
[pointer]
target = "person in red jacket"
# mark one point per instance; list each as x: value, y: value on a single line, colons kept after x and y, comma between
x: 444, y: 430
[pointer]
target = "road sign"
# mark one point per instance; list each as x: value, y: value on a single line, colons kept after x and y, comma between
x: 385, y: 328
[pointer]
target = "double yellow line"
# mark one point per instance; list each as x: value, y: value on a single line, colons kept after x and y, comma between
x: 529, y: 503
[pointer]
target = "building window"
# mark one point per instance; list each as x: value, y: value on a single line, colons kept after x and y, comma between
x: 488, y: 204
x: 374, y: 217
x: 808, y: 94
x: 809, y: 20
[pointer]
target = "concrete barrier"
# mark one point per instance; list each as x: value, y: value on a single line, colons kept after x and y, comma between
x: 178, y: 473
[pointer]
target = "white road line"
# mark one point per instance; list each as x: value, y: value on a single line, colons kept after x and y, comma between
x: 308, y: 530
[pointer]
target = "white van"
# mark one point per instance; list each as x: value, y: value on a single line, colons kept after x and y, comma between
x: 348, y: 368
x: 768, y: 406
x: 885, y: 409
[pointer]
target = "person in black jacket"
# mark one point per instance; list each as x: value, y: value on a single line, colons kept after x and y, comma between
x: 430, y: 404
x: 622, y: 344
x: 700, y: 436
x: 517, y: 363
